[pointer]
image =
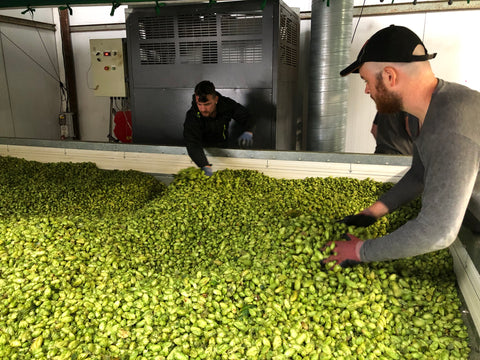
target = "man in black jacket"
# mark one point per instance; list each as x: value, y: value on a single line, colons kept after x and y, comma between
x: 394, y: 133
x: 207, y: 123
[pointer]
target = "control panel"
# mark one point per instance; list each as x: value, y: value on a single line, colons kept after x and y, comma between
x: 108, y: 67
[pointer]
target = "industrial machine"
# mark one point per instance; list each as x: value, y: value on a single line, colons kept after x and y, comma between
x: 250, y: 53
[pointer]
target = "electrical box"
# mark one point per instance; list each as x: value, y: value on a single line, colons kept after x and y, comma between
x: 108, y: 67
x: 65, y: 121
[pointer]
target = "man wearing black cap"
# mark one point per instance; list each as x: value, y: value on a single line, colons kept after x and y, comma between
x: 445, y: 164
x: 207, y: 123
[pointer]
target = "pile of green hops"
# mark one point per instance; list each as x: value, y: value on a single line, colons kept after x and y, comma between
x: 32, y: 188
x: 220, y: 267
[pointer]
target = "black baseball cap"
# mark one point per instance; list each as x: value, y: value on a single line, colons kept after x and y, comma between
x: 391, y: 44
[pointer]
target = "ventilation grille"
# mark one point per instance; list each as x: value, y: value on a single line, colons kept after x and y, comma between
x: 158, y: 27
x: 198, y: 52
x: 197, y: 25
x: 242, y: 51
x: 288, y: 56
x: 201, y: 39
x: 241, y: 24
x: 288, y: 31
x: 289, y: 35
x: 157, y: 54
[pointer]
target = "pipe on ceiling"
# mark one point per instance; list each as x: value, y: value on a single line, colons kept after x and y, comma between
x: 331, y: 33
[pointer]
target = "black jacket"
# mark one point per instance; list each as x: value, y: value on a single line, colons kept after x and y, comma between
x: 392, y: 135
x: 200, y: 131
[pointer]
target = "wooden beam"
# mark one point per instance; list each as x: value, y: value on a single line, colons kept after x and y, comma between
x: 68, y: 59
x: 24, y: 22
x: 97, y: 27
x: 406, y: 8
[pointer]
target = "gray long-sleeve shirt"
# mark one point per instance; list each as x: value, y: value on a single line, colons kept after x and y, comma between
x: 445, y: 167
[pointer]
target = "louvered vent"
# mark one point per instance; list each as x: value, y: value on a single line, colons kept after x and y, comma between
x: 241, y: 51
x: 289, y: 56
x: 197, y: 25
x: 198, y: 52
x: 241, y: 24
x: 157, y: 54
x: 158, y: 27
x: 190, y: 27
x: 245, y: 51
x: 289, y: 35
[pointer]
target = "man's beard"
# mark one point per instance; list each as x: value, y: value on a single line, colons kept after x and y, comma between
x: 387, y: 102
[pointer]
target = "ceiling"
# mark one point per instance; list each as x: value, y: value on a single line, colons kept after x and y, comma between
x: 382, y: 6
x: 53, y: 3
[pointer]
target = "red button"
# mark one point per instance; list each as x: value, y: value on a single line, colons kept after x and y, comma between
x: 107, y: 68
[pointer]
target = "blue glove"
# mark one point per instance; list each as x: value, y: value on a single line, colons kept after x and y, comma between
x: 246, y: 139
x: 207, y: 170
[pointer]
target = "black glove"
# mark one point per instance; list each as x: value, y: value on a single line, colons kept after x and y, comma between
x: 358, y: 220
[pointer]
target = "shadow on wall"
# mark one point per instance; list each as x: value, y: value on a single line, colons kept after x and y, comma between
x: 259, y: 104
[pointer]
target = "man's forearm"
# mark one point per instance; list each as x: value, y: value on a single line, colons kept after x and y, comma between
x: 377, y: 210
x: 197, y: 154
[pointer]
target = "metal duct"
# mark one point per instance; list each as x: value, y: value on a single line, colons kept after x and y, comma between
x: 331, y: 33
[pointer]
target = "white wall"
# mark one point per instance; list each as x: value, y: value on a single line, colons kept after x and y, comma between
x: 93, y: 111
x: 40, y: 14
x: 30, y: 97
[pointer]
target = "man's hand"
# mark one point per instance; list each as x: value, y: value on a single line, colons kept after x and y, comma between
x: 345, y: 253
x: 359, y: 220
x: 246, y: 139
x: 207, y: 170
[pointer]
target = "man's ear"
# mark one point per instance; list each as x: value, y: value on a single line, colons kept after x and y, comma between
x: 390, y: 76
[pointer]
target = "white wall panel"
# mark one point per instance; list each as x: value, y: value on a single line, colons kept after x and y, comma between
x: 303, y: 5
x: 31, y: 67
x: 93, y: 111
x: 454, y: 36
x: 40, y: 14
x: 88, y: 15
x: 6, y: 123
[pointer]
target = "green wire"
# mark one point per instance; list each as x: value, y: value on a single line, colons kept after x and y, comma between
x: 67, y: 7
x: 28, y: 9
x: 115, y: 5
x: 157, y: 7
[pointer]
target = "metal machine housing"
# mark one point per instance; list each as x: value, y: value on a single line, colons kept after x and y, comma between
x: 249, y: 53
